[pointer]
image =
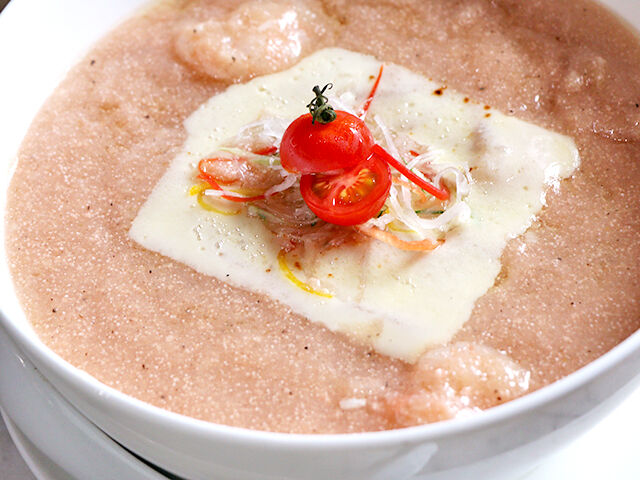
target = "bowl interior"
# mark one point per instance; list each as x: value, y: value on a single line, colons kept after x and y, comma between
x: 70, y: 28
x: 22, y: 94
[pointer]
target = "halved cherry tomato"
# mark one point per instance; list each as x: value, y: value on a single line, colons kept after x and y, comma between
x: 350, y: 197
x: 309, y: 147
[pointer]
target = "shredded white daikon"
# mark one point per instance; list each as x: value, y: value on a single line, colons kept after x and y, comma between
x: 289, y: 181
x: 400, y: 206
x: 219, y: 193
x: 345, y: 102
x: 393, y: 149
x: 388, y: 139
x: 422, y: 159
x: 266, y: 130
x: 463, y: 180
x: 272, y: 161
x: 380, y: 222
x: 400, y: 201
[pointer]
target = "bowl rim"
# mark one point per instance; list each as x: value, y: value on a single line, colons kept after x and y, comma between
x: 91, y: 387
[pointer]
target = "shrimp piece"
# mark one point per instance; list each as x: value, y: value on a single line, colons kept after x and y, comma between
x: 257, y: 38
x: 453, y: 381
x: 229, y: 169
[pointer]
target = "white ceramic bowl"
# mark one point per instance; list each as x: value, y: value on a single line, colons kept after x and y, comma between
x: 499, y: 443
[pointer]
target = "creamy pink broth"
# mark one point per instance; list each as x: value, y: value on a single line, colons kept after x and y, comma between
x: 163, y: 333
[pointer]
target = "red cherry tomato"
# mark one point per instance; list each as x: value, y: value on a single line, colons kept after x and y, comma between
x: 308, y: 147
x: 350, y: 197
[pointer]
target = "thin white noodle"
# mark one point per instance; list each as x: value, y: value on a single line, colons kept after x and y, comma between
x: 387, y: 137
x: 265, y: 160
x: 393, y: 150
x: 401, y: 213
x: 460, y: 211
x: 400, y: 206
x: 400, y: 197
x: 271, y: 127
x: 380, y: 222
x: 421, y: 159
x: 342, y: 102
x: 462, y: 181
x: 219, y: 193
x: 289, y: 181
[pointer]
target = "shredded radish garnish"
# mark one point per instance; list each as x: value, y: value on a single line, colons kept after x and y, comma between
x: 400, y: 200
x: 400, y: 206
x: 222, y: 193
x: 271, y: 128
x: 393, y: 151
x: 423, y: 158
x: 388, y: 139
x: 404, y: 213
x: 380, y: 222
x: 425, y: 245
x: 462, y: 179
x: 270, y: 161
x: 289, y: 181
x: 345, y: 102
x: 413, y: 187
x: 460, y: 212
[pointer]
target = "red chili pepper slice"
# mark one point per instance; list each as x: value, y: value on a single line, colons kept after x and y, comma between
x: 439, y: 193
x: 372, y: 93
x: 266, y: 150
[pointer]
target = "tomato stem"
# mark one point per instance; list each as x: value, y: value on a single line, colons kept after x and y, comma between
x: 439, y: 193
x: 319, y: 107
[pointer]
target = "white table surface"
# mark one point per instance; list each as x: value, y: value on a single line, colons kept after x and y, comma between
x: 12, y: 467
x: 609, y: 450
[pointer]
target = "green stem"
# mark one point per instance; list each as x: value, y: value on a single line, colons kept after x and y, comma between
x: 319, y: 107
